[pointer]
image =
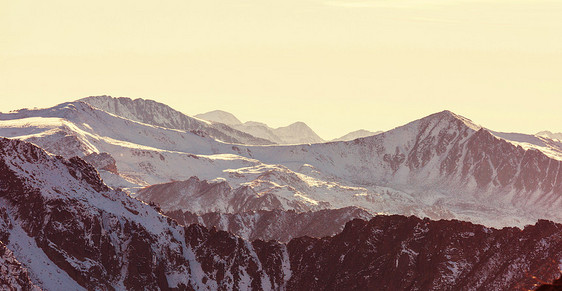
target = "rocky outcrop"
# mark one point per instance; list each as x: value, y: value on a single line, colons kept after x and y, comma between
x: 71, y: 232
x: 102, y: 161
x: 13, y: 276
x: 277, y: 224
x: 203, y: 196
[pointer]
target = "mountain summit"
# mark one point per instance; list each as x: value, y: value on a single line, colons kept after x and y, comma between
x: 295, y: 133
x: 220, y: 116
x: 155, y: 113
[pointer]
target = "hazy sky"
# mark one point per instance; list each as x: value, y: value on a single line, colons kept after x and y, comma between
x: 337, y: 65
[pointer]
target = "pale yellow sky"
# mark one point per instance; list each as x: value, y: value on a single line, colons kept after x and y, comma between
x: 336, y: 65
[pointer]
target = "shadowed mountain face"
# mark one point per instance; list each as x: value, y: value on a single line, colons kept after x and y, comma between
x: 70, y: 231
x: 13, y: 276
x: 276, y: 225
x: 73, y: 232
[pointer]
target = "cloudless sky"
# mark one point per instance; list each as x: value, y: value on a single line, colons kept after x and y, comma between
x: 338, y: 65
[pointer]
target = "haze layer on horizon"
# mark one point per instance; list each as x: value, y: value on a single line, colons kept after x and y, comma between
x: 336, y: 65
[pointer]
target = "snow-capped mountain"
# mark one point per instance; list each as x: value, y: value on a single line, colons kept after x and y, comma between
x: 357, y: 134
x: 441, y: 166
x: 279, y: 225
x: 69, y: 231
x: 295, y: 133
x: 220, y: 116
x: 155, y: 113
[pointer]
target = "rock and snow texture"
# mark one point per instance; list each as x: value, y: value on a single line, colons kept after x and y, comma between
x: 71, y: 232
x: 276, y: 225
x: 407, y: 253
x: 13, y: 276
x: 442, y: 166
x: 357, y: 134
x: 296, y: 133
x: 155, y: 113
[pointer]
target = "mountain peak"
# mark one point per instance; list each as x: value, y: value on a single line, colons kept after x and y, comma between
x: 298, y: 132
x: 451, y: 116
x: 220, y: 116
x: 299, y: 124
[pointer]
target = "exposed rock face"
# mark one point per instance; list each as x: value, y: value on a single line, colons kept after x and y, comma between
x: 401, y: 253
x: 446, y: 159
x: 554, y: 286
x: 102, y: 161
x: 441, y: 166
x: 155, y: 113
x: 72, y: 232
x: 262, y: 193
x: 276, y: 224
x: 13, y: 276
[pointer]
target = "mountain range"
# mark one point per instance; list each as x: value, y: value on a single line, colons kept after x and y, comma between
x: 442, y: 166
x: 295, y: 133
x: 63, y: 228
x: 115, y: 193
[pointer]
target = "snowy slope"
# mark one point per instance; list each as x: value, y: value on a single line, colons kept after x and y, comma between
x: 357, y: 134
x: 13, y: 276
x: 550, y: 147
x: 154, y: 113
x: 444, y: 161
x: 71, y: 232
x: 441, y: 166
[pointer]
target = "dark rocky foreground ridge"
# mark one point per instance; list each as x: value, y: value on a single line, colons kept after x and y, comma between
x: 70, y: 231
x: 279, y: 225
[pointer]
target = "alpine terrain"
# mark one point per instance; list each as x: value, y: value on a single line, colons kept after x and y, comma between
x: 121, y: 194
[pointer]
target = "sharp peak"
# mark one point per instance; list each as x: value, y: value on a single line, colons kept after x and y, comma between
x: 449, y: 115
